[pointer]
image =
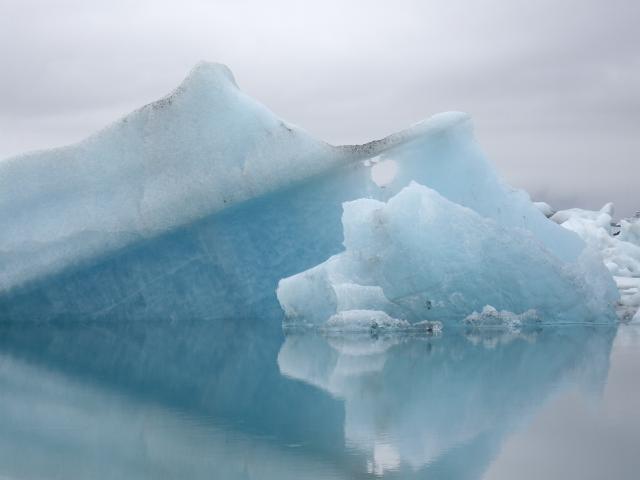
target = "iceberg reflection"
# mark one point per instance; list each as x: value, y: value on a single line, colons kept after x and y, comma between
x: 235, y: 399
x: 56, y: 427
x: 160, y: 399
x: 444, y: 404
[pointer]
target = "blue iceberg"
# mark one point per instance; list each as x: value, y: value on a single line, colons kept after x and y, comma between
x: 420, y: 257
x: 206, y: 198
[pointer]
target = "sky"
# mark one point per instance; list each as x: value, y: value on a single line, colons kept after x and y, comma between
x: 553, y: 86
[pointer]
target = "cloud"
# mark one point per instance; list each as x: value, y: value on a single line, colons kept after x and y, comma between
x: 554, y: 87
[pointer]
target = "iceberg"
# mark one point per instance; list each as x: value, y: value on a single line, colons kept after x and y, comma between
x: 208, y: 198
x: 630, y: 229
x: 420, y: 256
x: 544, y: 208
x: 617, y: 244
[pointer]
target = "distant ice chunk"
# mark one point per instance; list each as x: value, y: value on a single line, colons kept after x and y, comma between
x: 544, y: 208
x: 618, y: 247
x: 420, y: 256
x: 364, y: 320
x: 208, y: 198
x: 601, y: 218
x: 489, y: 316
x: 630, y: 229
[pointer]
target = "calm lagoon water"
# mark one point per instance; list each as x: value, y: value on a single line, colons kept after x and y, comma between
x: 238, y: 399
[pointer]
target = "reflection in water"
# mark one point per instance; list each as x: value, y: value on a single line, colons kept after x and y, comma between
x: 574, y: 437
x: 443, y: 404
x: 100, y: 387
x: 55, y: 427
x: 194, y: 399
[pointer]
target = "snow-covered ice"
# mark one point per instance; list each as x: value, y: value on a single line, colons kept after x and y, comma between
x: 364, y: 320
x: 618, y: 246
x: 544, y: 208
x: 630, y: 229
x: 489, y: 316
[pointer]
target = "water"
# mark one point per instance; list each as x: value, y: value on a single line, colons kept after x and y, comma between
x: 237, y: 399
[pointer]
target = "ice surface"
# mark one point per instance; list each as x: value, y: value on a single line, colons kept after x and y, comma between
x: 630, y: 229
x: 544, y: 208
x: 358, y: 320
x: 489, y: 316
x: 420, y: 256
x: 618, y: 247
x: 206, y: 197
x: 203, y: 148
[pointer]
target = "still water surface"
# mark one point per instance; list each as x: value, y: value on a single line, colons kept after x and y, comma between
x: 238, y: 399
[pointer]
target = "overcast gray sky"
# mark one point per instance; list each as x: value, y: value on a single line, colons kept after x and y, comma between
x: 553, y: 86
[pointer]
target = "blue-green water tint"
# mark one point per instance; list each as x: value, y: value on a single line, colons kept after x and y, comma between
x: 236, y: 399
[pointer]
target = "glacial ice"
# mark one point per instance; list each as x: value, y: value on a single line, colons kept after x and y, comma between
x: 630, y: 229
x: 420, y: 256
x: 544, y: 208
x: 617, y: 245
x: 205, y: 147
x: 489, y: 316
x: 208, y: 198
x: 367, y: 320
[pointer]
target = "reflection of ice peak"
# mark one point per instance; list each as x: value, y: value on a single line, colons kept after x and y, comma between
x: 337, y: 360
x: 426, y: 399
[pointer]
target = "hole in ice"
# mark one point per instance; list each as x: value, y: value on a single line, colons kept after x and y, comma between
x: 383, y: 173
